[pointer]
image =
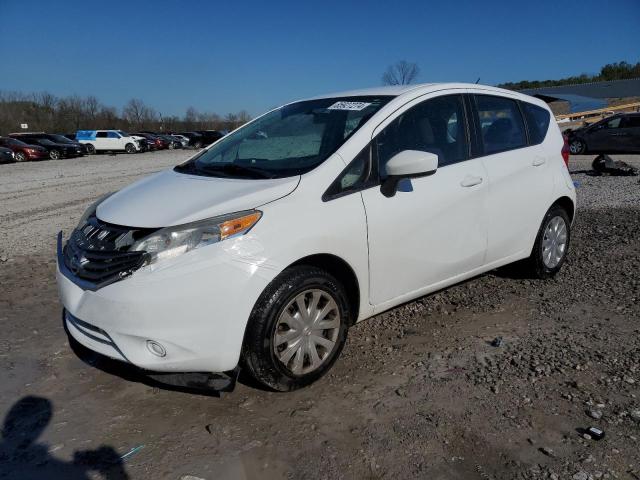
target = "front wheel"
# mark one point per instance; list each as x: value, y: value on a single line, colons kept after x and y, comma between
x: 130, y: 148
x: 20, y: 157
x: 297, y: 329
x: 552, y: 244
x: 577, y: 147
x: 55, y: 155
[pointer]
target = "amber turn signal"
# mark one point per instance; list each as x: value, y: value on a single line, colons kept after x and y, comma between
x: 238, y: 225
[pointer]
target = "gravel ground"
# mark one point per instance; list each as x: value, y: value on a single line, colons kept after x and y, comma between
x: 420, y: 391
x: 38, y: 199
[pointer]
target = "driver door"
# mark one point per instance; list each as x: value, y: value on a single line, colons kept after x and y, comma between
x: 433, y: 230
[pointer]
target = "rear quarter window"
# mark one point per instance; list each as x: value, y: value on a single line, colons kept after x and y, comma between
x: 538, y: 120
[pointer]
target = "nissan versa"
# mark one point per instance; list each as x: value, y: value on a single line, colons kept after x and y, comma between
x: 263, y: 249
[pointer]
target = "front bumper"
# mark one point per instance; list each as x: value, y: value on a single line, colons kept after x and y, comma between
x: 195, y: 307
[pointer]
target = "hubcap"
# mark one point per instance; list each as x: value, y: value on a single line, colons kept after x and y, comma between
x: 307, y: 331
x: 554, y: 242
x: 54, y: 155
x: 575, y: 147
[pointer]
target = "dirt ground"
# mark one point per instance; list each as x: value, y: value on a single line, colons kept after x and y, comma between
x: 422, y: 391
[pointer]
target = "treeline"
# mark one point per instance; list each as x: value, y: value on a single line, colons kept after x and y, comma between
x: 611, y: 71
x: 49, y: 113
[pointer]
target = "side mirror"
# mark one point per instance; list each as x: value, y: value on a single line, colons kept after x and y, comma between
x: 407, y: 164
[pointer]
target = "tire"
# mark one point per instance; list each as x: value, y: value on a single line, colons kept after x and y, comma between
x: 197, y: 145
x: 90, y: 149
x: 577, y: 147
x: 549, y: 253
x: 55, y: 154
x: 20, y: 157
x: 276, y: 317
x: 172, y: 146
x: 130, y: 148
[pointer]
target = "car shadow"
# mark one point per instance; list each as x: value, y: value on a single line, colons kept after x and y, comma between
x: 23, y: 456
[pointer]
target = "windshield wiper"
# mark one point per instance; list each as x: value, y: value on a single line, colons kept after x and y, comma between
x: 234, y: 168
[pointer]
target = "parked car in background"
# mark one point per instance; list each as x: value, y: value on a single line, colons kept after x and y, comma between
x: 156, y: 142
x: 55, y: 138
x: 56, y: 150
x: 23, y: 151
x: 173, y: 141
x: 183, y: 140
x: 6, y: 155
x: 615, y: 134
x: 107, y: 141
x: 195, y: 139
x: 266, y: 248
x: 210, y: 136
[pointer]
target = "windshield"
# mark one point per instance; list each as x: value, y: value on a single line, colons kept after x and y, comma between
x: 60, y: 138
x: 14, y: 142
x: 124, y: 134
x: 45, y: 141
x: 289, y: 141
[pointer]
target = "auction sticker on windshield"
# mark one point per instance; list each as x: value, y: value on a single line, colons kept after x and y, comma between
x: 355, y: 106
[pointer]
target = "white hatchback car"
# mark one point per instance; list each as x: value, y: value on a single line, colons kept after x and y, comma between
x: 263, y: 249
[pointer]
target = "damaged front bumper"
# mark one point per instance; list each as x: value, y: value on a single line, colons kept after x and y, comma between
x: 188, y: 381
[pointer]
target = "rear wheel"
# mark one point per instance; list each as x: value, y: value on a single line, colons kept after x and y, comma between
x: 20, y: 157
x: 130, y: 148
x: 55, y: 155
x: 297, y: 329
x: 198, y: 144
x: 577, y: 147
x: 90, y: 149
x: 552, y: 244
x: 172, y: 146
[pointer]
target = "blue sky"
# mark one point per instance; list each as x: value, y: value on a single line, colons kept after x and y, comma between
x: 253, y: 55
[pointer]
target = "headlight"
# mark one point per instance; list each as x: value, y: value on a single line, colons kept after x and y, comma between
x: 92, y: 210
x: 173, y: 241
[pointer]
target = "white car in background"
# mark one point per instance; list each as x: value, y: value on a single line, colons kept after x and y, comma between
x: 108, y: 141
x: 263, y: 249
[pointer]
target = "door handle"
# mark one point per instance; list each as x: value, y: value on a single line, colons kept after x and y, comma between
x: 470, y: 181
x: 538, y: 161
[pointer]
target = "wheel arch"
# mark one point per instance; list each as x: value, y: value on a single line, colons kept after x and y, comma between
x: 340, y: 269
x: 567, y: 204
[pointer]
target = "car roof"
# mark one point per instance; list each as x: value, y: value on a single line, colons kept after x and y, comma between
x: 416, y: 90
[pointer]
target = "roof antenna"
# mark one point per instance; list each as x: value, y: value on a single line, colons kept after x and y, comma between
x: 478, y: 80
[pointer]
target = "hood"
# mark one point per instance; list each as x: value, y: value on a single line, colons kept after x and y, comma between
x: 170, y: 198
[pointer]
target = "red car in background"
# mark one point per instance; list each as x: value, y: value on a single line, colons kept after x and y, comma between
x: 24, y: 152
x: 160, y: 143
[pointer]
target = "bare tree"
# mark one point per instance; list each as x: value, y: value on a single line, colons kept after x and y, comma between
x: 138, y: 114
x: 401, y: 73
x: 44, y: 111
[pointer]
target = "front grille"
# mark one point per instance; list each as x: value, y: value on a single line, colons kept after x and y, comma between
x: 98, y: 252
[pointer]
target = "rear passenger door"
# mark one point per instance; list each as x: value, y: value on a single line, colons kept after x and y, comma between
x: 517, y: 166
x: 629, y: 134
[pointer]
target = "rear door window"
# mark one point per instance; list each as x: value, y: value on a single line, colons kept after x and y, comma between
x: 101, y: 135
x: 501, y: 124
x: 631, y: 122
x: 538, y: 120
